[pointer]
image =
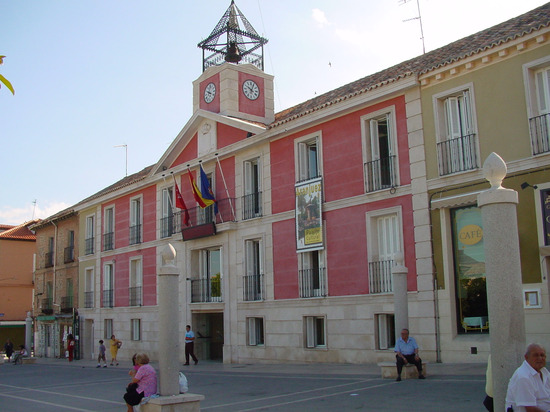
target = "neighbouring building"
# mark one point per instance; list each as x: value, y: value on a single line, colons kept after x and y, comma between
x: 56, y: 284
x: 293, y: 261
x: 17, y: 249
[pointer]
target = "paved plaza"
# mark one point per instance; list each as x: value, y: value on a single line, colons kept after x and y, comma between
x: 54, y: 385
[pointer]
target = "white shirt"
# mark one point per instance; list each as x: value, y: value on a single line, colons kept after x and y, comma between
x: 526, y: 388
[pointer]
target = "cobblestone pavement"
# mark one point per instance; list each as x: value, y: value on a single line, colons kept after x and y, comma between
x: 54, y: 385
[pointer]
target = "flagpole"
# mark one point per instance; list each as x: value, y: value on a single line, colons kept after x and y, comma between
x: 225, y: 185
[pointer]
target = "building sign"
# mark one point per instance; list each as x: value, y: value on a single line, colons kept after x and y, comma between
x: 309, y: 222
x: 545, y: 197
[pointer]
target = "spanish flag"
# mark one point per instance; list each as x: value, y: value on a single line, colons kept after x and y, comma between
x: 204, y: 197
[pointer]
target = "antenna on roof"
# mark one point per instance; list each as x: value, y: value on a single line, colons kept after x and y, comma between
x: 419, y: 18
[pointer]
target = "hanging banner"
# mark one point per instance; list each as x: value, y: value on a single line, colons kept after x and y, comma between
x: 545, y: 197
x: 309, y: 222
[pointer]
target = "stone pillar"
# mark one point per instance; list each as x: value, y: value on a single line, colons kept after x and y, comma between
x: 400, y: 299
x: 503, y: 271
x: 169, y: 349
x: 28, y: 332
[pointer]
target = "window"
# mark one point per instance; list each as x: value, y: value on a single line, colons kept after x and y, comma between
x: 255, y: 331
x: 456, y: 132
x: 469, y: 268
x: 69, y: 250
x: 107, y: 328
x: 208, y: 288
x: 380, y: 151
x: 67, y: 300
x: 135, y: 220
x: 537, y: 83
x: 89, y: 288
x: 385, y: 328
x: 253, y: 279
x: 167, y: 220
x: 384, y: 232
x: 136, y: 329
x: 315, y: 331
x: 312, y: 274
x: 109, y: 229
x: 89, y: 239
x: 108, y: 285
x: 252, y: 199
x: 308, y: 158
x: 49, y: 258
x: 136, y: 282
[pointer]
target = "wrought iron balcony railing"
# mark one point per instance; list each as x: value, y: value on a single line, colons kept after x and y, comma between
x: 380, y: 276
x: 67, y: 304
x: 47, y: 306
x: 135, y: 296
x: 312, y: 283
x: 539, y: 128
x: 89, y: 246
x: 457, y: 155
x: 69, y: 254
x: 48, y: 260
x: 198, y: 216
x: 108, y: 298
x: 108, y: 241
x: 380, y: 174
x: 252, y: 205
x: 253, y: 287
x: 135, y: 234
x: 88, y: 299
x: 206, y: 290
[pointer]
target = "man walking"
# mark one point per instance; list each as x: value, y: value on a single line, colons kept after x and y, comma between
x: 406, y: 351
x: 189, y: 345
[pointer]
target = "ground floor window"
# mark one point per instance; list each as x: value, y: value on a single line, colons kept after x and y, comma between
x: 469, y: 269
x: 107, y: 328
x: 315, y: 331
x: 385, y: 328
x: 136, y: 329
x: 255, y: 331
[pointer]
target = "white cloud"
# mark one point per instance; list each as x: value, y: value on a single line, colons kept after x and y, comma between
x: 319, y: 17
x: 16, y: 216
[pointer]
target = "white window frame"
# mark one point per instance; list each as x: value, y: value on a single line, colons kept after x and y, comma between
x: 90, y: 229
x: 109, y: 224
x: 384, y: 331
x: 89, y: 281
x: 137, y: 220
x: 253, y: 261
x: 252, y: 185
x: 255, y: 331
x: 136, y: 274
x: 205, y: 259
x: 311, y: 331
x: 372, y: 217
x: 531, y: 90
x: 107, y: 328
x: 442, y: 127
x: 109, y: 273
x: 301, y: 159
x: 135, y: 326
x: 306, y: 261
x: 369, y: 134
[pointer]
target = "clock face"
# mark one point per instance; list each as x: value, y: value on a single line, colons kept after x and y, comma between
x: 209, y: 92
x: 251, y: 90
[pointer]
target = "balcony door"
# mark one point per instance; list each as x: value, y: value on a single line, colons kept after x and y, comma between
x: 210, y: 273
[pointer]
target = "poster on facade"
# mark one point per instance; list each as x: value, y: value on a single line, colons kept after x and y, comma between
x: 309, y: 222
x: 545, y: 197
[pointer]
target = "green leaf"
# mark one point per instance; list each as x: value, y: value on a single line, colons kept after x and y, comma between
x: 7, y: 84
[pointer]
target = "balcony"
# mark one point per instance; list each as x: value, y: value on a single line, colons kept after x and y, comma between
x: 67, y: 304
x: 135, y: 296
x: 108, y: 241
x: 312, y: 283
x: 68, y: 254
x: 108, y: 298
x: 252, y: 205
x: 457, y: 155
x: 380, y: 174
x: 135, y: 234
x: 48, y: 260
x: 88, y: 300
x: 89, y: 246
x: 380, y: 276
x: 47, y: 306
x: 197, y: 217
x: 206, y: 290
x: 253, y: 287
x: 539, y: 127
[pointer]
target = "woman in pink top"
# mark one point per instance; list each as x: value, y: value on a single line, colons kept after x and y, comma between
x: 143, y: 384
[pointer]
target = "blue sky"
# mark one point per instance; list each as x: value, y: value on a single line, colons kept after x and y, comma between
x: 93, y: 74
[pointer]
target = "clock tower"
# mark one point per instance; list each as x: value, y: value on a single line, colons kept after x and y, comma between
x: 233, y: 82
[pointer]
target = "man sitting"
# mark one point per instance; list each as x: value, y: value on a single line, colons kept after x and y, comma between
x: 406, y: 350
x: 529, y: 386
x: 20, y: 355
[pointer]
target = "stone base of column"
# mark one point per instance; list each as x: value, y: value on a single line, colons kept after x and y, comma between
x: 188, y: 402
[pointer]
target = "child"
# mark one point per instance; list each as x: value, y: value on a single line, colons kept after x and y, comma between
x: 101, y: 356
